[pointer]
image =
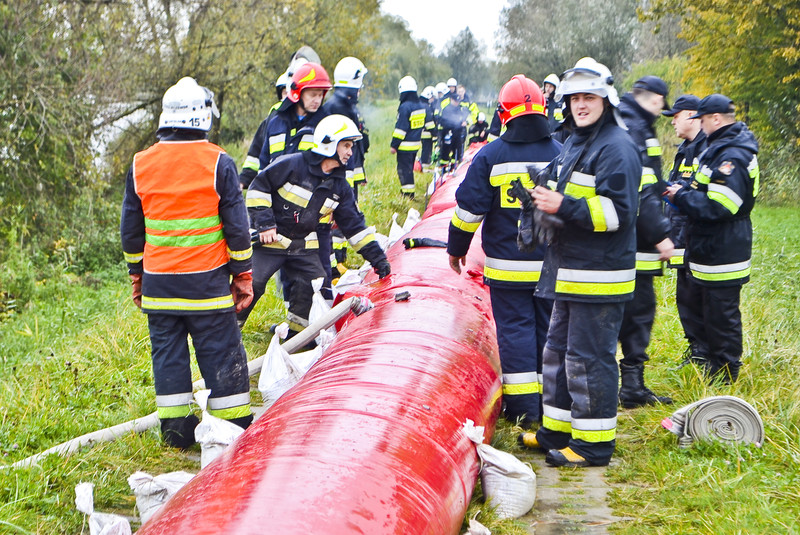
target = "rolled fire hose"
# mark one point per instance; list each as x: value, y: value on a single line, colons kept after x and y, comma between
x: 722, y: 418
x: 357, y: 305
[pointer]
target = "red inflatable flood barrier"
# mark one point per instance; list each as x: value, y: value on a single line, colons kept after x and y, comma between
x: 370, y: 440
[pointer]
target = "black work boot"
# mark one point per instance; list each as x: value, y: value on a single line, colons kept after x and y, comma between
x: 179, y: 432
x: 633, y: 393
x: 724, y: 374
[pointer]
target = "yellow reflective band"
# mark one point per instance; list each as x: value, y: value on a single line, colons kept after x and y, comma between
x: 174, y: 303
x: 305, y: 145
x: 133, y: 258
x: 295, y: 194
x: 511, y: 276
x: 399, y: 134
x: 417, y: 119
x: 406, y: 187
x: 594, y: 436
x: 251, y: 163
x: 409, y: 145
x: 725, y: 196
x: 326, y: 219
x: 361, y: 243
x: 703, y: 176
x: 231, y: 413
x: 257, y: 202
x: 649, y: 265
x: 279, y: 146
x: 177, y: 411
x: 755, y: 174
x: 558, y: 115
x: 597, y: 214
x: 595, y: 288
x: 556, y: 425
x: 653, y: 147
x: 466, y: 221
x: 723, y: 272
x: 241, y: 255
x: 522, y: 388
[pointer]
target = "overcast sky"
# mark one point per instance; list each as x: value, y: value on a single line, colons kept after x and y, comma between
x: 438, y: 21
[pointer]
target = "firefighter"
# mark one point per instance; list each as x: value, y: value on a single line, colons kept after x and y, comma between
x: 589, y: 269
x: 452, y: 121
x: 407, y: 135
x: 555, y: 115
x: 348, y: 78
x: 479, y: 130
x: 687, y: 296
x: 483, y: 196
x: 639, y: 109
x: 184, y: 234
x: 427, y: 98
x: 251, y: 162
x: 291, y: 129
x: 719, y: 237
x: 286, y: 201
x: 471, y: 109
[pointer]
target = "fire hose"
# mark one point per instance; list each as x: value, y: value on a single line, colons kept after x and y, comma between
x: 723, y: 418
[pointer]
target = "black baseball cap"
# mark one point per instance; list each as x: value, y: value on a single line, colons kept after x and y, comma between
x: 654, y: 84
x: 715, y: 103
x: 684, y: 102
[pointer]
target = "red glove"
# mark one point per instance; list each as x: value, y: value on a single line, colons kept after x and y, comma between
x: 136, y: 282
x: 242, y: 290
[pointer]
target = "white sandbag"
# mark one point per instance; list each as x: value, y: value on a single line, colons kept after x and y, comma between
x: 382, y: 240
x: 350, y: 278
x: 276, y: 377
x: 319, y: 308
x: 153, y: 492
x: 99, y: 523
x: 412, y: 218
x: 214, y: 434
x: 108, y: 524
x: 395, y: 231
x: 508, y: 483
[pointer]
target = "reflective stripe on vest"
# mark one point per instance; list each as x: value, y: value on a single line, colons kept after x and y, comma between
x: 722, y: 272
x: 595, y: 282
x: 176, y: 184
x: 500, y: 269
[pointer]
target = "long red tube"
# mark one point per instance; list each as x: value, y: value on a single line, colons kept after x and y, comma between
x: 370, y: 440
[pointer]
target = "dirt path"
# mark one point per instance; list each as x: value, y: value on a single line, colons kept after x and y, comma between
x: 569, y: 500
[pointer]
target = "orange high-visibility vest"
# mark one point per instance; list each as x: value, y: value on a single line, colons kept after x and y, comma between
x: 183, y: 231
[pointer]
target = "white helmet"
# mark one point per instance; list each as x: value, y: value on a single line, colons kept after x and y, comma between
x: 330, y: 131
x: 187, y: 105
x: 349, y: 72
x: 588, y: 76
x: 407, y: 83
x: 552, y: 79
x: 283, y: 80
x: 452, y: 82
x: 481, y: 117
x: 441, y: 87
x: 427, y: 93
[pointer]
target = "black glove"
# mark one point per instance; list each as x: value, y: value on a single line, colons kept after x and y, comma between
x: 546, y: 226
x: 382, y: 268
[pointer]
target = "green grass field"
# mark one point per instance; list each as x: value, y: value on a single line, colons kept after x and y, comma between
x: 77, y: 359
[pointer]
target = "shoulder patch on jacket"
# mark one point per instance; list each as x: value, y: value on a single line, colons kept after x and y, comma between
x: 726, y: 168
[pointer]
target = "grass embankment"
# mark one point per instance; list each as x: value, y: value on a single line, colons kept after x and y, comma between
x: 77, y: 359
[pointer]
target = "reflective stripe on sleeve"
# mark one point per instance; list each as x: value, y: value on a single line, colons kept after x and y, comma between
x: 653, y: 147
x: 725, y: 196
x: 399, y: 134
x: 258, y: 199
x: 133, y: 258
x: 252, y: 163
x: 604, y: 215
x: 240, y: 255
x: 362, y: 238
x: 466, y: 220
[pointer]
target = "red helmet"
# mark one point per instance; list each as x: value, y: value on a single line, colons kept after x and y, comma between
x: 520, y: 96
x: 308, y: 76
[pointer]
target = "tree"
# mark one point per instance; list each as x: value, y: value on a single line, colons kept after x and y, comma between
x: 748, y: 51
x: 539, y: 38
x: 464, y: 54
